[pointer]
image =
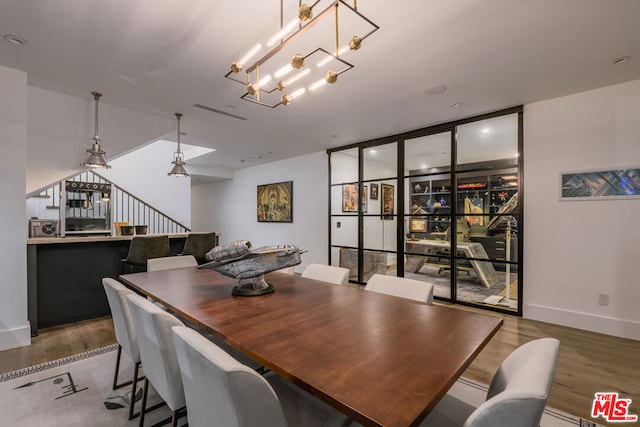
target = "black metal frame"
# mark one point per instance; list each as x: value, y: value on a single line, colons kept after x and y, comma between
x: 400, y: 140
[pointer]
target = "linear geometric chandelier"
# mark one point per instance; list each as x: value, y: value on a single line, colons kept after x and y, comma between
x: 304, y: 55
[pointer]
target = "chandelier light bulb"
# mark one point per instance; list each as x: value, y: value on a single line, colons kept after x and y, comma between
x: 283, y: 32
x: 297, y: 76
x: 287, y: 98
x: 283, y: 71
x: 236, y: 67
x: 324, y: 61
x: 298, y: 92
x: 253, y: 88
x: 282, y: 85
x: 317, y: 85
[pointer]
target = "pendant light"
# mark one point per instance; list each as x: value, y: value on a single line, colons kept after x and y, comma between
x: 178, y: 164
x: 95, y: 155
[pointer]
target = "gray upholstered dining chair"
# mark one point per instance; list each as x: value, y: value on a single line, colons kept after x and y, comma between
x: 220, y: 391
x: 171, y: 262
x: 327, y: 273
x: 157, y: 353
x: 198, y: 244
x: 125, y: 334
x: 142, y: 248
x: 401, y: 287
x: 517, y: 395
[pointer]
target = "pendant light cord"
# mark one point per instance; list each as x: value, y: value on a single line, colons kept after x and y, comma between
x: 178, y: 116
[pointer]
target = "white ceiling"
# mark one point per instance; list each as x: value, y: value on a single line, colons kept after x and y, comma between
x: 164, y: 56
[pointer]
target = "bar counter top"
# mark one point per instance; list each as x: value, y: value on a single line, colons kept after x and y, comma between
x: 93, y: 239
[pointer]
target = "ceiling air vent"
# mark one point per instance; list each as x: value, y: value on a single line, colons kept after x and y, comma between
x: 224, y: 113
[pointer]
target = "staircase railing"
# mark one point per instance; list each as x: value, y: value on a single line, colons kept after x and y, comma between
x: 119, y: 207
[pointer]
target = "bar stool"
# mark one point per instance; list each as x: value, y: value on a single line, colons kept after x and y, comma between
x: 198, y: 244
x: 143, y: 248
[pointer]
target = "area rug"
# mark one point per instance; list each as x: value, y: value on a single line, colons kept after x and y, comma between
x: 76, y: 391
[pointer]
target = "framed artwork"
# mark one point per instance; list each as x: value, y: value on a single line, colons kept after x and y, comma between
x: 603, y: 184
x: 275, y: 202
x: 388, y: 200
x: 374, y: 192
x: 350, y: 198
x: 417, y: 225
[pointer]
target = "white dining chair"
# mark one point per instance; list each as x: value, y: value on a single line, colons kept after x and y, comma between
x: 125, y: 335
x: 182, y: 261
x: 157, y: 353
x: 401, y: 287
x: 171, y: 262
x: 327, y: 273
x: 220, y: 391
x: 517, y: 395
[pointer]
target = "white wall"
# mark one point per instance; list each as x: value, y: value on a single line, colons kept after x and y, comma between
x: 60, y: 128
x: 229, y: 207
x: 577, y: 249
x: 143, y: 173
x: 14, y: 327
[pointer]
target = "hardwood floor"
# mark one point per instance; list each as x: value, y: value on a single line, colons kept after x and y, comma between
x: 57, y: 342
x: 588, y: 362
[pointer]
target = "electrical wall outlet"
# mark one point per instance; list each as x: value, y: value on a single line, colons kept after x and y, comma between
x: 603, y: 299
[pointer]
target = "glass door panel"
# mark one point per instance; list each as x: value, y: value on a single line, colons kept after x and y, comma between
x: 380, y: 170
x: 427, y: 210
x: 344, y: 190
x: 487, y: 212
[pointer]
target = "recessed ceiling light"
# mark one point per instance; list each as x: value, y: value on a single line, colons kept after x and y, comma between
x: 15, y: 40
x: 435, y: 89
x: 372, y: 151
x: 485, y: 130
x: 456, y: 104
x: 334, y: 136
x: 621, y: 60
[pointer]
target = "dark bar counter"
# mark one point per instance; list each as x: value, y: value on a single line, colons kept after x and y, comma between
x: 64, y: 276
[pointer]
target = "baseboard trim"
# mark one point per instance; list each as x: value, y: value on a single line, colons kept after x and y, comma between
x: 14, y: 338
x: 574, y: 319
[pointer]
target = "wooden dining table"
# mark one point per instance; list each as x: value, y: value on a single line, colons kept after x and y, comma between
x: 381, y: 360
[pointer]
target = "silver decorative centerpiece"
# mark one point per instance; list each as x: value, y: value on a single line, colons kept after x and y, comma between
x: 238, y: 260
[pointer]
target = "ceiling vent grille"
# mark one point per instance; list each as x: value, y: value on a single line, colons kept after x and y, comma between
x: 224, y: 113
